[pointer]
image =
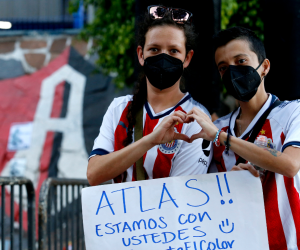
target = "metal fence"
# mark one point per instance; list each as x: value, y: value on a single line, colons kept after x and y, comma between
x: 16, y: 232
x: 60, y: 214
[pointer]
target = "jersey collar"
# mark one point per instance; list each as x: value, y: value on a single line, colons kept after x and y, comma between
x: 247, y: 132
x: 165, y: 112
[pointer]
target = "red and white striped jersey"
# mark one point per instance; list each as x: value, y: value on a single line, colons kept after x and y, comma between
x: 174, y: 158
x: 281, y: 194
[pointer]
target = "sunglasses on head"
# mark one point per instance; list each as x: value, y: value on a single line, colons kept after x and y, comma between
x: 180, y: 16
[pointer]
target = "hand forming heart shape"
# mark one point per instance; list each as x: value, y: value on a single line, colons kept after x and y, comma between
x: 165, y: 131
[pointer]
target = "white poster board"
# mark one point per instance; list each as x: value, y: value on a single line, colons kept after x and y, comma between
x: 211, y: 211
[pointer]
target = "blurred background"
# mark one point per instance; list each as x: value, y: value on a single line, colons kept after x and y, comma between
x: 63, y: 61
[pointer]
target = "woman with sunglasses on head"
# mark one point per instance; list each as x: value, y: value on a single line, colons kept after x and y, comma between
x: 156, y: 111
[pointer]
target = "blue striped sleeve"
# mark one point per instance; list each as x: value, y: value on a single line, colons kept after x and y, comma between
x: 292, y: 143
x: 98, y: 151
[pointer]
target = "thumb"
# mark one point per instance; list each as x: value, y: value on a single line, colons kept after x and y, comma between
x: 196, y: 136
x: 181, y: 137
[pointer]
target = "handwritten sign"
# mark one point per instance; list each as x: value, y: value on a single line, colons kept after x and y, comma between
x: 211, y: 211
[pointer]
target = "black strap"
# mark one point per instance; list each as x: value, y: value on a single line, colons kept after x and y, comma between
x: 258, y: 126
x: 138, y: 134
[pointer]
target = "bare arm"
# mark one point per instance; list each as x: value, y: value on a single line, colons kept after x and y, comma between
x: 286, y: 163
x: 106, y: 167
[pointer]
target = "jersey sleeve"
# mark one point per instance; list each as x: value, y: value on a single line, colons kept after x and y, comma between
x: 193, y: 158
x: 292, y: 132
x: 104, y: 143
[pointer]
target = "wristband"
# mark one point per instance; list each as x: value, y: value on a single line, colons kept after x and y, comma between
x: 227, y: 144
x: 217, y: 140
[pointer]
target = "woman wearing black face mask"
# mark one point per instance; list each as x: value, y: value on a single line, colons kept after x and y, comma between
x: 156, y: 111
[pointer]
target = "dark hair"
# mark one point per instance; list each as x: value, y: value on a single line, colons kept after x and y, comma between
x: 140, y: 91
x: 239, y: 33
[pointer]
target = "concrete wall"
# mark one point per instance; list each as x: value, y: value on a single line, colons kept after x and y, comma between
x: 35, y: 52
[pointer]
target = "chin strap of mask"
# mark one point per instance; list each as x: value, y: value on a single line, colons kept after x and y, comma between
x: 259, y: 67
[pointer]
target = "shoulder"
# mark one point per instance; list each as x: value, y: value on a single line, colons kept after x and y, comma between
x: 289, y: 105
x: 194, y: 103
x: 285, y: 110
x: 223, y: 121
x: 122, y: 100
x: 119, y: 104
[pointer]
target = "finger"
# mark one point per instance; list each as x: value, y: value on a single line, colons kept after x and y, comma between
x: 236, y: 168
x: 250, y: 168
x: 189, y: 119
x: 194, y: 110
x: 178, y: 136
x: 190, y: 112
x: 192, y: 117
x: 253, y: 171
x: 196, y: 118
x: 203, y: 115
x: 177, y: 119
x: 199, y: 112
x: 170, y: 122
x: 196, y: 136
x: 244, y: 165
x: 180, y: 114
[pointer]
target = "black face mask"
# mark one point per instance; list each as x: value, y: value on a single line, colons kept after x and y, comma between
x: 242, y: 82
x: 163, y: 71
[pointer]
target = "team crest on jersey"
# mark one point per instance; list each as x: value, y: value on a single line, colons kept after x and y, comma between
x: 170, y: 147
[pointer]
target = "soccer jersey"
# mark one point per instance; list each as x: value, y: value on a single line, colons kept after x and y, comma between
x: 174, y: 158
x: 281, y: 194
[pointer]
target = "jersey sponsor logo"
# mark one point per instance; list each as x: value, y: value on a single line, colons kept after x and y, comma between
x: 203, y: 161
x: 206, y: 151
